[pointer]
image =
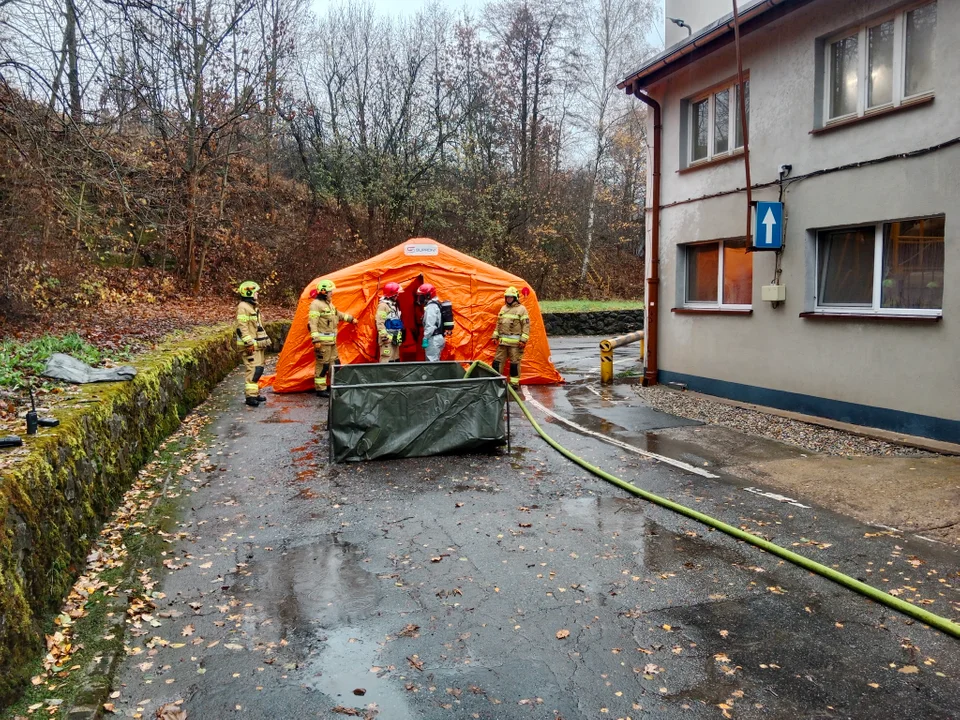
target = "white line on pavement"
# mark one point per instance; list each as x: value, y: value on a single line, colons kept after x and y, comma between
x: 662, y: 458
x: 775, y: 496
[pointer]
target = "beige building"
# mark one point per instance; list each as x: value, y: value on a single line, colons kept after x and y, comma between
x: 854, y: 122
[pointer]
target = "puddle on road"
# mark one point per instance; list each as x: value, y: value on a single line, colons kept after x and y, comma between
x: 666, y: 550
x: 344, y: 664
x: 280, y: 416
x: 608, y: 515
x: 320, y: 585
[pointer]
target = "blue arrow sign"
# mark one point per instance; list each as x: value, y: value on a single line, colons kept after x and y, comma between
x: 768, y: 226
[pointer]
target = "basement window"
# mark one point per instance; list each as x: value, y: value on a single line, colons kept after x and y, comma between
x: 718, y: 275
x: 887, y: 268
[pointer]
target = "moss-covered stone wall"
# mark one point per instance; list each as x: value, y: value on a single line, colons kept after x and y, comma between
x: 54, y: 500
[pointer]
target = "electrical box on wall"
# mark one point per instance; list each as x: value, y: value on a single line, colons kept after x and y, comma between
x: 774, y: 293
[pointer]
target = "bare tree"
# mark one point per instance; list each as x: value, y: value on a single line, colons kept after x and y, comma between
x: 610, y: 40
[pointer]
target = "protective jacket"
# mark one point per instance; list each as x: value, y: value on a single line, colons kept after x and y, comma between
x: 250, y: 327
x: 433, y: 330
x: 253, y: 340
x: 389, y: 325
x: 513, y: 325
x: 323, y: 319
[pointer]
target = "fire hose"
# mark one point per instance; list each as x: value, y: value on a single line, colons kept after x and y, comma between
x: 935, y: 621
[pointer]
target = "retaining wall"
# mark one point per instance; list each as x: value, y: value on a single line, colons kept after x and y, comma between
x: 54, y: 499
x: 605, y: 322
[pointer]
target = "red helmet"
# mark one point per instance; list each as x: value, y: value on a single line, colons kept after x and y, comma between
x: 427, y: 290
x: 391, y: 289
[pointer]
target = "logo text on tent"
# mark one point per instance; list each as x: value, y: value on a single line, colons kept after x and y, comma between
x: 420, y: 249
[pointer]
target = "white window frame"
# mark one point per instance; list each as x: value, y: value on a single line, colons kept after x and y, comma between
x: 734, y: 119
x: 720, y: 304
x: 899, y: 18
x: 874, y: 308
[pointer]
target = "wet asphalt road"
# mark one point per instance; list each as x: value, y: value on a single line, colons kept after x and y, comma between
x: 518, y: 586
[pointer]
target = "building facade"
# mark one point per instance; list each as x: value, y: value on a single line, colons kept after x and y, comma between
x: 854, y: 123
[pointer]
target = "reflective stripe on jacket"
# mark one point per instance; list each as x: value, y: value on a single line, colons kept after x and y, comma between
x: 388, y: 310
x: 323, y: 319
x: 513, y: 325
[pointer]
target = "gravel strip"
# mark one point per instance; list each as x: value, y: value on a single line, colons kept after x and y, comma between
x: 753, y: 422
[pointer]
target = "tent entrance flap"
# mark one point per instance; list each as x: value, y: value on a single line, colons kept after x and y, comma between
x: 399, y: 410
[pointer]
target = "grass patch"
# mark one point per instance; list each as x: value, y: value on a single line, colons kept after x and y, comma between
x: 20, y: 361
x: 565, y: 306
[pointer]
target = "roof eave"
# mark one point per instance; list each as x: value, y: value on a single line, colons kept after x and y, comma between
x: 706, y: 41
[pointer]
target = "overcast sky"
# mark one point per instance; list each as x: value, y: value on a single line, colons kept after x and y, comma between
x: 410, y: 7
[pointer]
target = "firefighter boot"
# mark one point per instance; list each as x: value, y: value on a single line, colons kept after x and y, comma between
x: 252, y: 402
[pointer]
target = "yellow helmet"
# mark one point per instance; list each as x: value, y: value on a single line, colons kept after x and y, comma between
x: 247, y: 289
x: 325, y: 286
x: 512, y: 292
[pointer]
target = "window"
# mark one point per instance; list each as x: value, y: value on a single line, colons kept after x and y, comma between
x: 887, y: 268
x: 715, y: 121
x: 880, y: 65
x: 719, y: 274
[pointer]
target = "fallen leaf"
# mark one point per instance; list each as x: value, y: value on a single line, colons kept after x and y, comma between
x: 110, y: 707
x: 188, y: 631
x: 415, y: 662
x: 409, y: 631
x: 909, y: 669
x: 171, y: 711
x: 561, y: 634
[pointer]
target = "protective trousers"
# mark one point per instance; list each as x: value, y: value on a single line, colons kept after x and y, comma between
x: 326, y: 355
x: 389, y: 352
x: 515, y: 354
x: 253, y: 364
x: 435, y: 344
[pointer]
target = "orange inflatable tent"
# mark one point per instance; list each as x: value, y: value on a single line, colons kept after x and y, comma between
x: 473, y: 287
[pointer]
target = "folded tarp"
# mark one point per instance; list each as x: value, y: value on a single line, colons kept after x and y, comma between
x: 69, y: 369
x: 396, y: 410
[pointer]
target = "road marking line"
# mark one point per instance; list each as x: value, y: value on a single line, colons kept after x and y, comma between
x: 662, y: 458
x: 775, y: 496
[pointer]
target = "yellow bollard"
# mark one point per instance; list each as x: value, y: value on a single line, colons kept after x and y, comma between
x: 606, y: 362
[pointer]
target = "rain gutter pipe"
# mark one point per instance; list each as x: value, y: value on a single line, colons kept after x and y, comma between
x: 928, y: 618
x: 652, y: 299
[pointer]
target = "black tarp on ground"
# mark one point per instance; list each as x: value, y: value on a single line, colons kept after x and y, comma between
x: 414, y: 410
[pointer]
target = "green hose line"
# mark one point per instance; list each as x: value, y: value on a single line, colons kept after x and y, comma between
x: 924, y: 616
x: 471, y: 368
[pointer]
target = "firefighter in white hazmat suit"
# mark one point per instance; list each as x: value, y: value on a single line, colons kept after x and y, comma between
x: 433, y: 337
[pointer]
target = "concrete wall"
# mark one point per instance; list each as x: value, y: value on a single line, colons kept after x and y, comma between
x: 901, y: 366
x: 605, y: 322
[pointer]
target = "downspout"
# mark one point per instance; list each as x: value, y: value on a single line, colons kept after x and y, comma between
x: 652, y: 299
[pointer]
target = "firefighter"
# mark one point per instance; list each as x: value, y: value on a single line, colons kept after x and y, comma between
x: 512, y: 334
x: 433, y: 339
x: 389, y: 324
x: 323, y: 321
x: 252, y: 340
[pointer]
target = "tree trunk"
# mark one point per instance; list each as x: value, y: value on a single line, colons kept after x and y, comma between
x: 592, y: 206
x: 73, y: 72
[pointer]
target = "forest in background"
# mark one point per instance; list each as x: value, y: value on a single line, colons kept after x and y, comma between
x: 154, y: 150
